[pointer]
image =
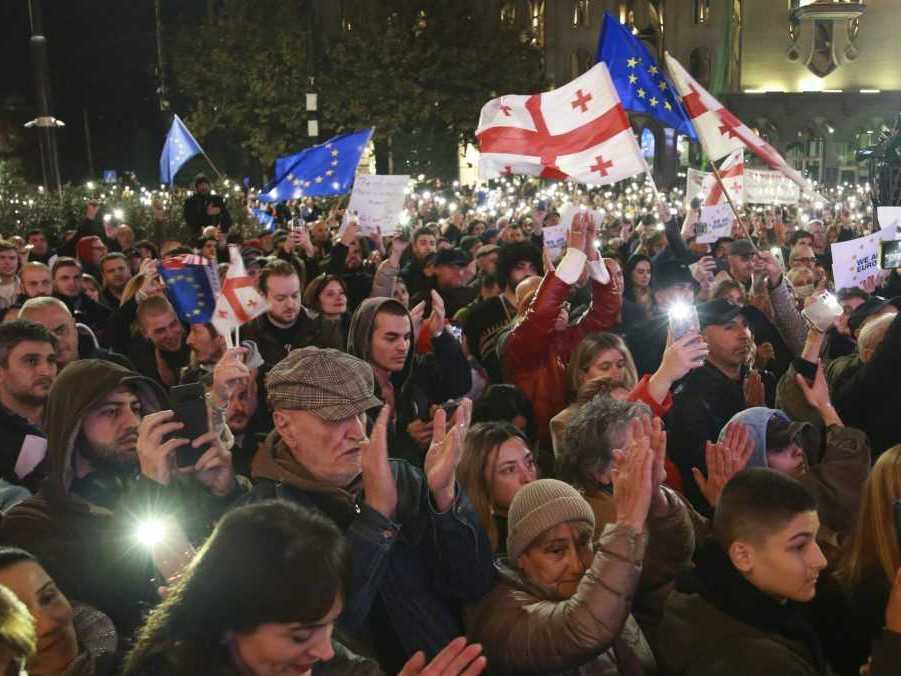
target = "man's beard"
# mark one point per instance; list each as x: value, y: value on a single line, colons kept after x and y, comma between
x: 30, y: 400
x: 117, y: 459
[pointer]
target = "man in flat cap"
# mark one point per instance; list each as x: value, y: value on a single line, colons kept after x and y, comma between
x: 418, y: 550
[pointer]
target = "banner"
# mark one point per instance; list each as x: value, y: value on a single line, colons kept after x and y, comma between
x: 715, y: 222
x: 378, y: 201
x: 855, y: 260
x: 760, y: 187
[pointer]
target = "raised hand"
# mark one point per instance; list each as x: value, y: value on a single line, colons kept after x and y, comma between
x: 214, y: 468
x: 351, y: 231
x: 683, y: 355
x: 417, y: 313
x: 436, y: 319
x: 445, y: 454
x: 156, y: 457
x: 755, y: 394
x: 457, y: 659
x: 724, y: 460
x: 378, y: 481
x: 229, y: 373
x: 633, y: 482
x: 575, y: 239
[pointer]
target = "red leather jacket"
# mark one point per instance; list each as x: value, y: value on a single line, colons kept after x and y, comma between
x: 535, y: 355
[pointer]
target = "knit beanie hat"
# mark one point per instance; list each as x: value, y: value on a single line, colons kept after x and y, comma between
x: 541, y: 505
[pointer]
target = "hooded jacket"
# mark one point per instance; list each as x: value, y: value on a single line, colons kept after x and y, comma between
x: 835, y: 474
x: 424, y: 381
x: 84, y: 537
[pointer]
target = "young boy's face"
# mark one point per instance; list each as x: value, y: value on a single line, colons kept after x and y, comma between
x: 787, y: 563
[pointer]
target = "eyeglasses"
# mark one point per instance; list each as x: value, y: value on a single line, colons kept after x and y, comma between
x: 804, y: 259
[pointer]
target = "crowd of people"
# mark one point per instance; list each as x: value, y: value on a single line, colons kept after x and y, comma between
x: 449, y: 451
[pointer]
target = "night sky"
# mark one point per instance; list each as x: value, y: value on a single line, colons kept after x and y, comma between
x: 102, y: 57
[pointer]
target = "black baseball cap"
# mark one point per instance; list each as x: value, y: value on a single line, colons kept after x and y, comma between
x: 670, y: 273
x: 718, y: 312
x: 867, y: 309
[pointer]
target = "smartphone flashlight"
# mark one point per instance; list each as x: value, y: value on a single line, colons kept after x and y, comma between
x: 150, y: 531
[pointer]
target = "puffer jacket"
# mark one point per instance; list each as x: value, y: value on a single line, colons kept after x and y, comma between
x: 535, y: 355
x: 523, y: 630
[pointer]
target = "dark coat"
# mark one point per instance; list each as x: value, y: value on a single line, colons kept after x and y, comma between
x: 411, y: 573
x: 82, y: 531
x: 308, y: 329
x: 197, y: 218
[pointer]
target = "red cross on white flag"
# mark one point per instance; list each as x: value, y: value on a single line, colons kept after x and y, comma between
x: 578, y: 131
x: 719, y: 131
x: 239, y: 301
x: 732, y: 173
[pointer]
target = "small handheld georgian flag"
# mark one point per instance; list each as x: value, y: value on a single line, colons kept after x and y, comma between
x: 239, y: 301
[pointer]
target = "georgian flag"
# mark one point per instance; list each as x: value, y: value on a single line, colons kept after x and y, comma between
x: 719, y: 131
x: 239, y: 301
x: 732, y: 172
x: 579, y: 131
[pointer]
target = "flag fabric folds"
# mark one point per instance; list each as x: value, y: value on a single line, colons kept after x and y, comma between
x: 325, y: 169
x: 238, y: 301
x: 719, y: 131
x: 579, y: 131
x: 192, y: 284
x: 180, y: 146
x: 640, y: 82
x: 732, y: 173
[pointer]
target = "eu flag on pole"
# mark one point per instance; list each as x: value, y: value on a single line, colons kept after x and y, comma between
x: 192, y: 285
x: 642, y: 85
x: 180, y: 147
x: 325, y: 169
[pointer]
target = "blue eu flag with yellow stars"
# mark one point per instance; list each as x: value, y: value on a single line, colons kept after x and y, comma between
x: 322, y: 170
x: 192, y: 285
x: 639, y: 80
x: 180, y: 147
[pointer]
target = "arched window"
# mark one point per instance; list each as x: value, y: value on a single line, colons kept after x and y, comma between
x: 581, y: 13
x: 648, y: 144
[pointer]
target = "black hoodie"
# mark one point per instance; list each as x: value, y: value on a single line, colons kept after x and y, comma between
x: 424, y: 381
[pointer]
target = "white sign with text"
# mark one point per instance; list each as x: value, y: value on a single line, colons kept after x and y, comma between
x: 377, y: 201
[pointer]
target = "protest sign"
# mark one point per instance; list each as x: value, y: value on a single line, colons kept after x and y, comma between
x: 889, y: 221
x: 760, y: 187
x: 855, y: 260
x: 554, y: 237
x: 377, y: 202
x: 715, y: 222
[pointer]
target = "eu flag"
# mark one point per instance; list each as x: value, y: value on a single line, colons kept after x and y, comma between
x: 264, y: 217
x: 640, y: 82
x: 325, y: 169
x: 192, y: 285
x: 180, y: 147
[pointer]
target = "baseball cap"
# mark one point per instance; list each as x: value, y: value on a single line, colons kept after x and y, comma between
x: 868, y: 308
x: 452, y: 257
x: 486, y: 249
x: 670, y: 273
x: 781, y: 432
x: 742, y: 247
x: 718, y: 312
x: 332, y: 384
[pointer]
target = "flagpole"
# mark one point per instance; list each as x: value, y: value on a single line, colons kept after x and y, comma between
x: 218, y: 173
x: 719, y: 180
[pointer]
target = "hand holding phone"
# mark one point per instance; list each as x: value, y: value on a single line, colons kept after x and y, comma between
x: 189, y: 405
x: 683, y: 319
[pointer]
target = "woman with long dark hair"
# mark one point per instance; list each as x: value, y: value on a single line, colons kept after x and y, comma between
x: 261, y: 598
x: 637, y: 283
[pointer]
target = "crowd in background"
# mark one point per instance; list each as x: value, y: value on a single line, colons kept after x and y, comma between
x: 452, y: 449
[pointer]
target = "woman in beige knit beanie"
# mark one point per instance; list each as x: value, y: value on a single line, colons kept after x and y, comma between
x: 561, y: 605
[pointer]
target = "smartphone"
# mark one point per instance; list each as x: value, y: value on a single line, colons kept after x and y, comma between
x: 450, y: 406
x: 890, y: 255
x: 189, y: 404
x: 683, y: 319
